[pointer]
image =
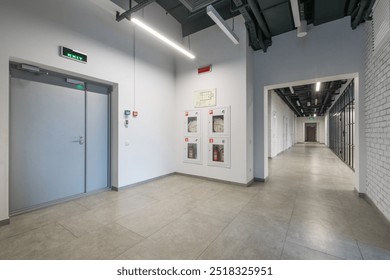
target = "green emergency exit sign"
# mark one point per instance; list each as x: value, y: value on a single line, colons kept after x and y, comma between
x: 73, y: 54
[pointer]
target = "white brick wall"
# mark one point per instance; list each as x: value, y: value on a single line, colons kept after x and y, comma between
x: 377, y: 120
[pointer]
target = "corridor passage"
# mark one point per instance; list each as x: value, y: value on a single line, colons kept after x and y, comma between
x: 307, y: 210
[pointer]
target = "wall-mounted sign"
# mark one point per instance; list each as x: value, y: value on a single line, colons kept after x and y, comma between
x: 204, y: 69
x: 205, y: 98
x: 73, y: 54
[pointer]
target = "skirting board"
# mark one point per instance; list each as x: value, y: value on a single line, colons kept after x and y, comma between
x: 369, y: 201
x: 263, y: 180
x: 217, y: 180
x: 4, y: 222
x: 140, y: 183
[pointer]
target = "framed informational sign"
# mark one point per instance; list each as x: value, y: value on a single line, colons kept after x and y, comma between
x: 205, y: 98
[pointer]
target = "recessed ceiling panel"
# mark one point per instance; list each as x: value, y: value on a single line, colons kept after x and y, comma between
x: 279, y: 19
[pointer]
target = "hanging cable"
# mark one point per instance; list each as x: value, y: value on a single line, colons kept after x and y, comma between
x: 134, y: 67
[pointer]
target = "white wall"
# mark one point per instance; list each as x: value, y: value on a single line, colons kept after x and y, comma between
x: 327, y: 129
x: 231, y: 75
x: 279, y: 115
x: 300, y: 133
x: 331, y: 49
x: 33, y: 31
x: 377, y: 113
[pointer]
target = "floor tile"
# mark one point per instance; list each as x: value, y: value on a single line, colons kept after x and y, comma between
x: 292, y: 251
x: 225, y: 205
x: 316, y: 236
x: 150, y: 220
x: 373, y: 253
x: 38, y: 218
x: 185, y: 238
x: 31, y: 244
x: 106, y: 243
x: 249, y: 237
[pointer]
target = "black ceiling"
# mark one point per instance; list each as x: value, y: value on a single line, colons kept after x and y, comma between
x: 304, y: 100
x: 263, y: 18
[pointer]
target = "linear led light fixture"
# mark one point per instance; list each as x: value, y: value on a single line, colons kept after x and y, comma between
x: 216, y: 17
x: 291, y: 89
x: 162, y: 37
x: 296, y: 12
x: 318, y: 85
x: 299, y: 104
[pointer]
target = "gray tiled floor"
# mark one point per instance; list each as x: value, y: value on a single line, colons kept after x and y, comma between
x: 300, y: 213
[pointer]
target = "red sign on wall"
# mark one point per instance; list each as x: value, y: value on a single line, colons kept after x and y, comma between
x: 204, y: 69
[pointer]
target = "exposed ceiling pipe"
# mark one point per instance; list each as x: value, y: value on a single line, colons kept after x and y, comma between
x: 330, y: 85
x: 351, y: 6
x: 281, y: 92
x: 360, y: 15
x: 368, y: 15
x: 254, y: 35
x: 259, y: 18
x: 261, y: 39
x: 128, y: 13
x: 323, y: 103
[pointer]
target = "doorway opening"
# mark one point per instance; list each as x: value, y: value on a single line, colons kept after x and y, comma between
x: 310, y: 132
x: 310, y: 108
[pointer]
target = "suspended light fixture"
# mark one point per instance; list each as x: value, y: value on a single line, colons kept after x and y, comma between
x: 299, y: 104
x: 314, y: 115
x: 315, y: 101
x: 216, y: 17
x: 162, y: 37
x: 299, y: 18
x: 295, y: 11
x: 318, y: 86
x: 291, y: 89
x: 302, y: 29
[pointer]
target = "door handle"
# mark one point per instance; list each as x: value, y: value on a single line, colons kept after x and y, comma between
x: 80, y: 140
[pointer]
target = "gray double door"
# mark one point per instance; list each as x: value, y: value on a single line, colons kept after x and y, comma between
x: 59, y: 139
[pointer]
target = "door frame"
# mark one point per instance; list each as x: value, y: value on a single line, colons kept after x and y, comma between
x: 307, y: 124
x: 359, y: 160
x: 112, y: 97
